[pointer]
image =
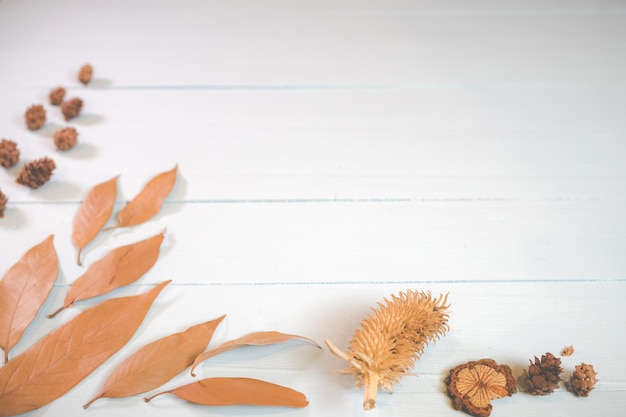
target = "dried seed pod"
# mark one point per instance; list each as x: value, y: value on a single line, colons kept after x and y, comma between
x: 583, y: 380
x: 36, y: 173
x: 71, y: 108
x: 65, y: 139
x: 85, y: 73
x: 384, y: 348
x: 3, y: 203
x: 57, y: 95
x: 9, y: 154
x: 473, y: 385
x: 35, y: 117
x: 543, y: 376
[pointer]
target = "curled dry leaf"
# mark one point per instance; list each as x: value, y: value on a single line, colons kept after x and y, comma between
x: 238, y: 391
x: 252, y: 339
x: 93, y: 214
x: 23, y: 290
x: 148, y: 202
x: 156, y: 363
x: 64, y: 357
x: 121, y: 266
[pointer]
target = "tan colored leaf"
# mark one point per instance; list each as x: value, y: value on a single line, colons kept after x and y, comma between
x: 156, y: 363
x: 149, y: 200
x: 93, y: 214
x: 252, y: 339
x: 238, y: 391
x: 67, y: 355
x: 121, y: 266
x: 23, y: 290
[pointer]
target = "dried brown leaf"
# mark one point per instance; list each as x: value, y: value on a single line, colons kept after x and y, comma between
x: 93, y: 214
x: 121, y: 266
x: 252, y: 339
x: 148, y: 202
x: 24, y: 289
x: 64, y: 357
x: 156, y: 363
x: 238, y: 391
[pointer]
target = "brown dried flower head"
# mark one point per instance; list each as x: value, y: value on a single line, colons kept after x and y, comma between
x: 543, y: 376
x: 473, y: 385
x: 9, y: 154
x: 71, y: 108
x: 383, y: 349
x: 65, y: 139
x: 3, y: 203
x: 85, y: 74
x: 36, y: 173
x: 583, y: 380
x: 57, y: 95
x: 35, y: 117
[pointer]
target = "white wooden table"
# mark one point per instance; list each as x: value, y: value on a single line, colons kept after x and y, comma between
x: 331, y: 154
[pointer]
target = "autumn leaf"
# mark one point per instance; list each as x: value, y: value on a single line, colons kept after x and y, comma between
x: 121, y: 266
x: 237, y: 391
x: 93, y: 214
x: 23, y: 290
x: 156, y: 363
x: 149, y: 200
x: 252, y: 339
x: 67, y: 355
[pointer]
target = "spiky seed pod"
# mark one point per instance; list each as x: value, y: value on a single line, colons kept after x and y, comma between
x: 543, y: 376
x: 583, y: 380
x: 71, y: 108
x: 9, y: 154
x: 35, y: 117
x: 65, y: 139
x: 36, y: 173
x: 56, y: 96
x: 3, y: 203
x: 387, y: 343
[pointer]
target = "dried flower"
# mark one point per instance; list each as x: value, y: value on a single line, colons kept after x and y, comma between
x: 85, y: 73
x: 36, y: 173
x: 56, y: 96
x: 9, y: 154
x: 543, y: 376
x: 71, y: 108
x: 3, y: 203
x: 383, y: 349
x: 473, y: 385
x: 65, y: 139
x: 582, y: 380
x: 567, y: 351
x: 35, y: 117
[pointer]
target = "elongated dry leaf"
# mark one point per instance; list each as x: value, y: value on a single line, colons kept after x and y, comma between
x: 156, y: 363
x: 23, y: 290
x: 149, y: 200
x: 121, y: 266
x: 238, y: 391
x: 93, y: 214
x: 64, y: 357
x: 252, y: 339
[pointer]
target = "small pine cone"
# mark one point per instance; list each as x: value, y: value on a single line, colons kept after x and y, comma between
x: 65, y: 139
x: 583, y: 380
x: 3, y: 203
x: 57, y: 95
x: 36, y: 173
x: 35, y: 117
x: 9, y: 154
x: 85, y: 73
x: 71, y: 108
x: 543, y: 376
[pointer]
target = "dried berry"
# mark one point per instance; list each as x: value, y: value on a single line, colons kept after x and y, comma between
x: 583, y: 380
x: 473, y: 385
x: 3, y: 203
x: 65, y: 139
x: 35, y: 117
x: 9, y: 154
x: 543, y: 376
x: 36, y: 173
x: 85, y: 73
x: 57, y: 95
x: 71, y: 108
